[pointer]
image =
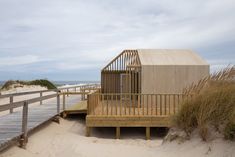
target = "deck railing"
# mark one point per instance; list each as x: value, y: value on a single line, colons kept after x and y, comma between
x: 134, y: 104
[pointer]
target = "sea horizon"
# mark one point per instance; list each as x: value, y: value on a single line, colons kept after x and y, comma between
x: 61, y: 83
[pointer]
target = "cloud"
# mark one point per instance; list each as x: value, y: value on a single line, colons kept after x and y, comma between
x: 20, y: 60
x: 69, y: 35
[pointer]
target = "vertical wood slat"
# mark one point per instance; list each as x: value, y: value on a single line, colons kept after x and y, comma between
x: 134, y: 103
x: 125, y: 97
x: 143, y: 105
x: 178, y: 102
x: 169, y: 103
x: 147, y: 104
x: 138, y: 104
x: 160, y: 104
x: 111, y: 104
x: 116, y: 104
x: 107, y: 109
x: 165, y: 103
x: 102, y: 100
x: 130, y: 105
x: 121, y: 104
x: 152, y: 104
x: 174, y: 103
x: 156, y: 104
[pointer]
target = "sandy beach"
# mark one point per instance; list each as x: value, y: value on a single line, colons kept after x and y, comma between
x: 68, y: 139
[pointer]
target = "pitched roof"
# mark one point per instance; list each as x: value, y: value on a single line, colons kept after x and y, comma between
x: 169, y: 57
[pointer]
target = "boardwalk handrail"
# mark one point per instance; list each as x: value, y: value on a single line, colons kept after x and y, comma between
x: 117, y: 104
x: 21, y: 103
x: 82, y: 89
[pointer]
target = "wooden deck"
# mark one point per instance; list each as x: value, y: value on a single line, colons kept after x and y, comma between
x: 132, y: 110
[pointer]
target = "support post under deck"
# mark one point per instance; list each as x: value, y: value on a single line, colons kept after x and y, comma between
x: 147, y: 133
x: 117, y: 132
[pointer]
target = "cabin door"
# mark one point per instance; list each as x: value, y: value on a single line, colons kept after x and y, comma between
x: 125, y: 85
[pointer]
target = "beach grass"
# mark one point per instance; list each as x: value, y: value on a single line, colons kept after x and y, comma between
x: 212, y: 107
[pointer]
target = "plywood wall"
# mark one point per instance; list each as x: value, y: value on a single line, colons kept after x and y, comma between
x: 170, y: 79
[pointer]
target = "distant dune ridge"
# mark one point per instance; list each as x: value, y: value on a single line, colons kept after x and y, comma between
x: 18, y: 83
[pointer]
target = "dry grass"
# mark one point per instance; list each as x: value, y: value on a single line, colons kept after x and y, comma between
x: 213, y: 105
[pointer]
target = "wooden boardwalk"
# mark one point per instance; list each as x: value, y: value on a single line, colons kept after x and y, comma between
x: 11, y: 124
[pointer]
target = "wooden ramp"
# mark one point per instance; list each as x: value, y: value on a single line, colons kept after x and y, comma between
x: 11, y: 124
x: 79, y: 108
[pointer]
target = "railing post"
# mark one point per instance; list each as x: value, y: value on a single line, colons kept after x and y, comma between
x: 88, y: 105
x: 67, y: 92
x: 81, y: 90
x: 63, y: 101
x: 58, y: 102
x: 11, y: 102
x: 40, y: 96
x: 24, y: 138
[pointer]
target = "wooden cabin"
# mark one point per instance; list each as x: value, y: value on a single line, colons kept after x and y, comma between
x: 143, y: 88
x: 152, y: 71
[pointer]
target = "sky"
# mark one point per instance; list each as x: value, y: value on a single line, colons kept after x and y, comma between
x: 74, y: 39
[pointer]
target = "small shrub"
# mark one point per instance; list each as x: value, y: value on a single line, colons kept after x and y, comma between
x: 43, y: 83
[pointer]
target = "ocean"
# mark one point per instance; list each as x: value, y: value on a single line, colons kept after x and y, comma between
x: 61, y: 83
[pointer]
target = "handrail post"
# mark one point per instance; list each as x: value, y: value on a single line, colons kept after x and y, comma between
x: 63, y: 101
x: 24, y: 138
x: 11, y: 102
x: 58, y: 102
x: 67, y: 92
x: 40, y: 96
x: 88, y: 105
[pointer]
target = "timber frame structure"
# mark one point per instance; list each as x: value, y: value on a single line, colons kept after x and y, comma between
x: 143, y: 88
x: 127, y: 64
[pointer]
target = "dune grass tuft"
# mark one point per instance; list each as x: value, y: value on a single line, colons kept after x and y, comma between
x: 40, y: 82
x: 212, y: 106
